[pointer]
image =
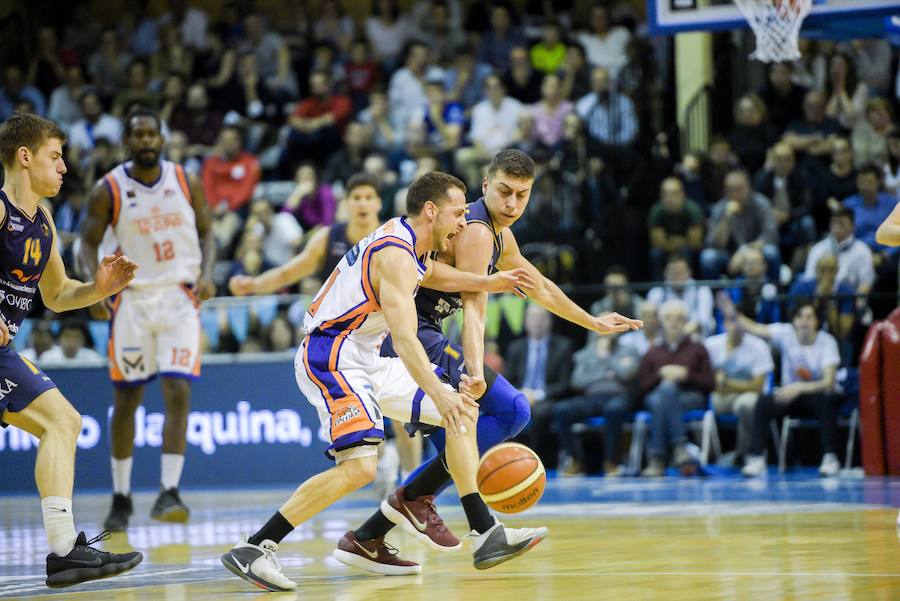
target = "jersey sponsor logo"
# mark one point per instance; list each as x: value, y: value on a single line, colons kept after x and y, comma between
x: 15, y: 227
x: 6, y: 387
x: 15, y: 218
x: 159, y: 223
x: 22, y: 303
x: 20, y: 275
x: 346, y: 414
x: 132, y: 362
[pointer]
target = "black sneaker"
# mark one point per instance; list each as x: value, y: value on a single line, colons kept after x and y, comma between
x: 117, y: 520
x: 85, y: 563
x: 169, y: 508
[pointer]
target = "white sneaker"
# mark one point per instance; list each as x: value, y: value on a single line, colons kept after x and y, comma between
x: 258, y: 565
x: 754, y: 466
x: 386, y: 474
x: 499, y: 544
x: 830, y: 466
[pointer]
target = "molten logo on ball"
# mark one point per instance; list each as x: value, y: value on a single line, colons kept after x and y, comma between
x: 511, y: 477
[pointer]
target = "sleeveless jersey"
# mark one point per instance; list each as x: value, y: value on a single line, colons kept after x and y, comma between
x: 155, y: 225
x: 432, y: 305
x: 24, y: 251
x: 346, y: 305
x: 338, y: 245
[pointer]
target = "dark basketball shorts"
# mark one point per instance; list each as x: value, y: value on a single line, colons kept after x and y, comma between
x: 21, y: 381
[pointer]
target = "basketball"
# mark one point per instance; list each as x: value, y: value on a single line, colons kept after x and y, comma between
x: 511, y: 477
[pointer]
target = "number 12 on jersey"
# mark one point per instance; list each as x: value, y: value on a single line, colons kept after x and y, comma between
x: 164, y: 251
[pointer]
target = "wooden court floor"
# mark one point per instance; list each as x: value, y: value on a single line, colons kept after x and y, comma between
x: 670, y: 539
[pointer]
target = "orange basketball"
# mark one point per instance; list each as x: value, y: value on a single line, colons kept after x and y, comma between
x: 511, y: 477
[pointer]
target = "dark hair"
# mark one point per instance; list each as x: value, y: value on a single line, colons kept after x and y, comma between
x: 513, y: 163
x: 434, y: 186
x: 359, y: 180
x: 802, y: 304
x: 617, y: 270
x: 844, y: 212
x: 137, y: 112
x: 869, y: 167
x: 850, y: 82
x: 30, y: 131
x: 79, y: 324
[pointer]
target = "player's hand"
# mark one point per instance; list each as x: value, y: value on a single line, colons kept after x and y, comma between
x: 473, y: 386
x: 205, y: 289
x: 509, y: 281
x: 242, y: 285
x: 113, y: 274
x: 4, y: 333
x: 458, y: 410
x: 611, y: 323
x: 100, y: 311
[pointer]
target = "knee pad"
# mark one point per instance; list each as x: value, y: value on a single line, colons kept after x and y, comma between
x: 508, y: 405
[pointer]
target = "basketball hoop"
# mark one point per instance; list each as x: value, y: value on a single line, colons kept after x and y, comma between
x: 776, y: 24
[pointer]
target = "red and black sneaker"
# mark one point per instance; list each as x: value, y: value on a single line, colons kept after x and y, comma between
x: 420, y: 519
x: 374, y: 556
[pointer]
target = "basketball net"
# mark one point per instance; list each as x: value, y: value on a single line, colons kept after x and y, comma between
x: 776, y: 24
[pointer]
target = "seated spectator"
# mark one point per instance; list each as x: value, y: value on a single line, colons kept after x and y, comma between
x: 135, y: 91
x: 742, y: 362
x: 73, y: 336
x: 41, y: 341
x: 493, y: 128
x: 96, y: 124
x: 312, y: 202
x: 680, y: 285
x: 388, y: 30
x: 377, y: 117
x: 406, y: 91
x: 752, y: 134
x: 892, y: 165
x: 539, y: 365
x: 809, y: 360
x: 173, y: 57
x: 502, y: 37
x: 854, y: 257
x: 230, y: 174
x: 834, y: 299
x: 107, y: 65
x: 575, y: 73
x: 47, y: 68
x: 334, y: 26
x: 440, y: 25
x: 676, y: 226
x: 811, y: 137
x: 602, y: 380
x: 610, y: 117
x: 443, y: 119
x: 831, y: 184
x: 869, y: 138
x: 847, y: 95
x: 604, y: 43
x: 782, y: 96
x: 522, y: 82
x: 278, y: 234
x: 873, y: 62
x: 348, y: 159
x: 273, y: 57
x: 316, y: 124
x: 199, y: 122
x: 675, y: 376
x: 361, y: 72
x: 64, y: 107
x: 551, y: 112
x: 619, y: 298
x: 68, y: 216
x: 648, y: 336
x: 870, y: 207
x: 756, y: 293
x: 549, y: 54
x: 465, y: 75
x: 279, y: 335
x: 743, y: 217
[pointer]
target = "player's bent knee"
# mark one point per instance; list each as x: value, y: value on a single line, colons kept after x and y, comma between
x: 68, y: 421
x: 358, y: 465
x: 521, y: 414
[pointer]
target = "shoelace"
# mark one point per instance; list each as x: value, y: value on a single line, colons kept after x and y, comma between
x: 390, y: 549
x: 269, y: 553
x: 433, y: 516
x: 105, y: 535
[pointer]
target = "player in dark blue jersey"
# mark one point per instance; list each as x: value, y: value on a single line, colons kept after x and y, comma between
x: 486, y: 244
x: 31, y: 152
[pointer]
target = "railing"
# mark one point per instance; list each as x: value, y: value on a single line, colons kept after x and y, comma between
x: 695, y: 135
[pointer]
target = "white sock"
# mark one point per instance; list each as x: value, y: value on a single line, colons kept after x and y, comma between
x: 121, y: 474
x: 59, y: 524
x: 171, y: 470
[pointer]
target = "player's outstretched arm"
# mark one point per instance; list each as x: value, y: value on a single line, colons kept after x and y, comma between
x: 61, y: 293
x: 394, y: 282
x: 301, y: 266
x: 888, y: 233
x: 445, y: 278
x: 205, y: 288
x: 548, y: 295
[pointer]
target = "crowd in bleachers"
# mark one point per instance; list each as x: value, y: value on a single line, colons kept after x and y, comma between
x: 274, y: 114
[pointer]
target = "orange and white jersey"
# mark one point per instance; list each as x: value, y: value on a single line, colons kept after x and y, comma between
x: 155, y: 225
x: 346, y: 305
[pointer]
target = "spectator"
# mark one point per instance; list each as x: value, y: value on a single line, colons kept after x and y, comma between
x: 406, y: 92
x: 443, y: 119
x: 465, y: 77
x: 107, y: 64
x: 833, y: 298
x: 275, y: 236
x: 348, y: 159
x: 273, y: 58
x: 15, y: 90
x: 829, y: 185
x: 522, y: 82
x: 500, y: 39
x: 784, y: 184
x: 136, y: 90
x: 279, y: 335
x: 812, y: 136
x: 141, y: 31
x: 873, y: 62
x: 869, y: 138
x: 198, y: 121
x: 647, y: 337
x: 892, y: 165
x: 576, y: 73
x: 742, y: 362
x: 611, y: 121
x: 847, y: 96
x: 68, y: 217
x: 230, y: 174
x: 41, y: 342
x: 604, y: 371
x: 754, y: 293
x: 174, y: 56
x: 743, y: 217
x: 388, y: 31
x: 854, y: 257
x: 539, y: 365
x: 605, y: 44
x: 217, y: 67
x: 361, y: 72
x: 64, y: 107
x: 870, y: 206
x: 676, y: 226
x: 439, y: 25
x: 549, y: 54
x: 334, y: 27
x: 73, y: 337
x: 316, y: 124
x: 619, y: 298
x: 493, y: 128
x: 312, y: 202
x: 809, y: 360
x: 48, y: 67
x: 82, y: 29
x: 782, y: 97
x: 681, y: 286
x: 551, y: 112
x: 189, y: 21
x: 675, y: 376
x: 377, y: 117
x: 96, y: 124
x: 752, y: 134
